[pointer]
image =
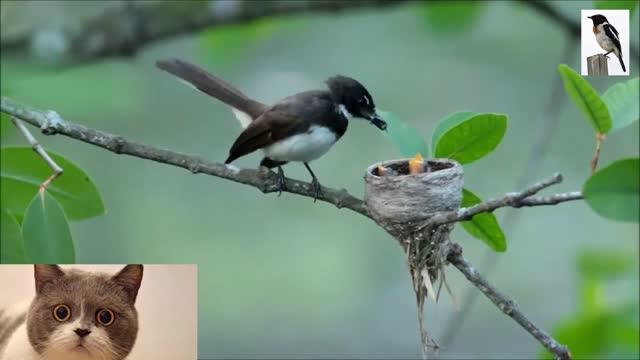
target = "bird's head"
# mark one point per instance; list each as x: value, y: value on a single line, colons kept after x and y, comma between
x: 355, y: 100
x: 598, y: 19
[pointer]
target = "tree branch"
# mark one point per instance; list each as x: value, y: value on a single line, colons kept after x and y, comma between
x: 266, y: 181
x: 51, y: 123
x: 124, y: 30
x: 515, y: 199
x: 505, y: 304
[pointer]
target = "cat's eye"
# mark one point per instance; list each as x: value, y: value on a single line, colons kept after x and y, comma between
x: 105, y: 317
x: 61, y: 312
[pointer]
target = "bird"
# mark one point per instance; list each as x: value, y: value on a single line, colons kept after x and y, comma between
x: 299, y: 128
x: 607, y: 37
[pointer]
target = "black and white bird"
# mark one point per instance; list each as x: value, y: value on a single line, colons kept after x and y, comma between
x: 607, y: 37
x: 298, y: 128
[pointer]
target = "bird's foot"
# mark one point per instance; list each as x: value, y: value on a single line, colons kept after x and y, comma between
x: 317, y: 189
x: 281, y: 182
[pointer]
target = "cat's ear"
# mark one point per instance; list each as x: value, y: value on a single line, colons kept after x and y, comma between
x: 45, y: 274
x: 129, y: 279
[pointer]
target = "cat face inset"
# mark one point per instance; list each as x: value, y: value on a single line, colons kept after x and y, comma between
x: 78, y: 315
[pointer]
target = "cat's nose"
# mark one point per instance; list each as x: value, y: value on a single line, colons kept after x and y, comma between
x: 82, y: 332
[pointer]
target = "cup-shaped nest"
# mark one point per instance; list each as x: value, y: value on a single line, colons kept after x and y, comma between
x: 403, y: 199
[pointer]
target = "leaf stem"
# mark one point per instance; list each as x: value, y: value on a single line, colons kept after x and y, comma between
x: 35, y: 145
x: 596, y: 154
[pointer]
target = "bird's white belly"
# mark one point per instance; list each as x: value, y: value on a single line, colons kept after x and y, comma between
x: 302, y: 147
x: 603, y: 40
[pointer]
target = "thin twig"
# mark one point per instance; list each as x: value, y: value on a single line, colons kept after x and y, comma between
x: 35, y: 145
x: 596, y: 152
x: 505, y: 304
x: 515, y: 199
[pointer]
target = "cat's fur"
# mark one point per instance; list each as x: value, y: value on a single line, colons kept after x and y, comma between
x: 35, y: 334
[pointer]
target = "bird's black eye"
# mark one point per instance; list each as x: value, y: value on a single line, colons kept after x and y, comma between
x: 105, y: 317
x: 61, y: 312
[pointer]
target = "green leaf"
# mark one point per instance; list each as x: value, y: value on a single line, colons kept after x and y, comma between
x: 586, y: 99
x: 613, y: 192
x: 616, y: 5
x: 605, y: 264
x: 6, y: 127
x: 11, y: 245
x: 622, y: 102
x: 404, y: 137
x: 593, y: 335
x: 47, y: 238
x: 22, y: 171
x: 471, y: 138
x: 446, y: 124
x: 452, y: 16
x: 483, y: 226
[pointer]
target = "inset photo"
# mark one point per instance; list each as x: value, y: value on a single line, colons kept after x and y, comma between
x: 91, y: 312
x: 605, y: 42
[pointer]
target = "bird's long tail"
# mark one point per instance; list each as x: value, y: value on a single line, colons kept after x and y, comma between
x: 621, y: 62
x: 212, y: 85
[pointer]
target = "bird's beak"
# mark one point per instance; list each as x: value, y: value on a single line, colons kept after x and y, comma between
x: 377, y: 120
x: 588, y: 17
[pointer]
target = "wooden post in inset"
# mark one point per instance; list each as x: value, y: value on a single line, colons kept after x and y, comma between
x: 597, y: 65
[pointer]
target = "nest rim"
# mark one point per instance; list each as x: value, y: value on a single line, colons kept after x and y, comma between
x: 400, y: 165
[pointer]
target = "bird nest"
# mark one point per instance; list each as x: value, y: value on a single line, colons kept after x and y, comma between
x: 402, y: 196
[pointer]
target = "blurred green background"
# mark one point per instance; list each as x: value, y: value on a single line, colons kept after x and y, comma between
x: 284, y: 277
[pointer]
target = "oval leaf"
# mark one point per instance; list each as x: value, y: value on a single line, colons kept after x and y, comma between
x: 11, y: 245
x: 404, y: 137
x: 586, y: 99
x: 472, y: 138
x: 622, y: 102
x: 46, y: 234
x: 614, y: 191
x: 483, y: 226
x: 446, y: 124
x: 22, y: 171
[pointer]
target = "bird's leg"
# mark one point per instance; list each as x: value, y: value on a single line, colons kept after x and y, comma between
x: 282, y: 184
x: 605, y: 55
x: 315, y: 183
x: 280, y: 181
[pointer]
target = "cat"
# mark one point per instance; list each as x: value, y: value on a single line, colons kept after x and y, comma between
x: 75, y: 315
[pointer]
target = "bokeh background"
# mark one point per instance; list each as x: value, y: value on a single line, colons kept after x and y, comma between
x: 283, y: 277
x: 162, y: 334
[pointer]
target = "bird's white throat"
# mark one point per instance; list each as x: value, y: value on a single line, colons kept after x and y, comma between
x: 343, y: 110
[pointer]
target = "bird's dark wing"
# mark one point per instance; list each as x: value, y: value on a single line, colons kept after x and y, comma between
x: 288, y: 116
x: 612, y: 34
x: 273, y: 125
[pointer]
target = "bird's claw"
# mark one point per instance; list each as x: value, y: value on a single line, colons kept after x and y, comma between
x: 317, y: 189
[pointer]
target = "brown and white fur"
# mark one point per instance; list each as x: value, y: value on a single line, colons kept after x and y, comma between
x: 30, y: 331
